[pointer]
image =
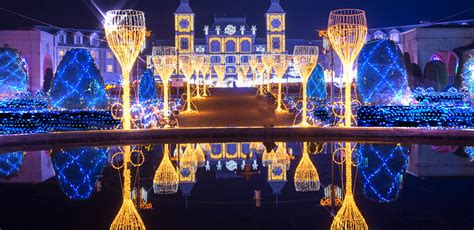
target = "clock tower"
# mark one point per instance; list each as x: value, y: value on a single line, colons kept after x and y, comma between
x: 276, y: 27
x: 184, y: 28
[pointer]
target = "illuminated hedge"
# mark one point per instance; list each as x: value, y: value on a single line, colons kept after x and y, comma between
x: 10, y: 163
x: 77, y: 83
x: 13, y: 75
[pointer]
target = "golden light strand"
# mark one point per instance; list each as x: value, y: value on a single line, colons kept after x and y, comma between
x: 186, y: 67
x: 166, y: 177
x: 306, y: 176
x: 165, y: 61
x: 280, y: 67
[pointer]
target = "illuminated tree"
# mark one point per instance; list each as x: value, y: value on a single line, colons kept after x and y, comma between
x: 385, y: 166
x: 78, y: 169
x: 147, y: 88
x: 381, y: 75
x: 78, y: 83
x: 13, y: 75
x: 10, y: 163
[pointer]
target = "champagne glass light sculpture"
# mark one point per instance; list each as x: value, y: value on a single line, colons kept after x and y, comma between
x: 186, y: 67
x: 125, y: 32
x: 253, y: 63
x: 242, y: 72
x: 347, y: 32
x: 305, y: 59
x: 220, y: 72
x: 280, y: 67
x: 268, y: 60
x: 306, y: 176
x: 166, y: 178
x: 165, y: 60
x: 205, y: 70
x: 198, y: 61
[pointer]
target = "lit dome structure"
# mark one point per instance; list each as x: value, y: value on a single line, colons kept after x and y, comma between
x: 13, y: 75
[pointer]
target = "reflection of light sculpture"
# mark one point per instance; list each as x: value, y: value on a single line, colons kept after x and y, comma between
x: 305, y: 59
x: 77, y: 170
x: 10, y: 163
x: 199, y: 154
x: 347, y: 32
x: 306, y: 176
x: 187, y: 165
x: 125, y: 32
x: 386, y: 164
x: 281, y: 156
x: 165, y: 60
x: 166, y: 177
x: 186, y: 67
x: 280, y: 67
x: 381, y: 74
x: 267, y: 157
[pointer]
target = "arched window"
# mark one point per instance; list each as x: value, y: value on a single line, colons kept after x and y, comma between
x: 276, y: 43
x: 230, y: 46
x: 245, y: 46
x: 215, y: 47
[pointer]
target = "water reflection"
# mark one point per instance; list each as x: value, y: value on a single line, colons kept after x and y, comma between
x: 181, y: 168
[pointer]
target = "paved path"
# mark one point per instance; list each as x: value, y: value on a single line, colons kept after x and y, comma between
x: 234, y: 107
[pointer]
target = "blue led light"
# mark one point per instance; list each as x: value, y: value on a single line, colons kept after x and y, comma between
x: 13, y: 77
x: 383, y: 172
x: 316, y: 86
x: 10, y: 163
x: 147, y: 88
x: 78, y: 169
x: 381, y: 73
x: 77, y: 83
x: 468, y: 75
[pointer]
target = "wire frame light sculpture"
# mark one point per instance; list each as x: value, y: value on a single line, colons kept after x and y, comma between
x: 349, y: 216
x: 242, y: 72
x: 267, y: 157
x: 198, y: 62
x: 205, y: 70
x: 220, y: 72
x: 187, y: 165
x: 165, y: 61
x: 305, y: 59
x: 260, y: 70
x: 281, y: 155
x: 306, y: 176
x: 125, y: 32
x: 166, y: 177
x: 268, y: 60
x: 280, y: 67
x: 199, y: 154
x: 347, y: 32
x: 186, y: 67
x: 253, y: 63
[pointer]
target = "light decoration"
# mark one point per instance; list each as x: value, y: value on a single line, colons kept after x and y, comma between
x: 268, y: 61
x: 280, y: 67
x: 306, y: 176
x: 381, y: 74
x: 10, y: 163
x: 198, y: 61
x: 452, y: 97
x: 205, y: 70
x: 467, y: 75
x: 327, y: 199
x: 166, y: 177
x: 219, y: 69
x: 165, y: 61
x: 186, y: 67
x: 260, y: 72
x: 188, y: 165
x: 316, y: 84
x: 146, y: 87
x: 347, y: 32
x: 281, y: 155
x: 305, y: 59
x: 242, y: 72
x: 13, y: 75
x: 77, y: 83
x: 267, y: 157
x: 125, y: 32
x: 78, y: 169
x: 386, y: 165
x: 199, y: 155
x: 253, y: 63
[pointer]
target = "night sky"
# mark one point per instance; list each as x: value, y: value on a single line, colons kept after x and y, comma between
x: 303, y: 16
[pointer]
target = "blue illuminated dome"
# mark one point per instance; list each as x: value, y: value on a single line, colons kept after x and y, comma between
x: 77, y: 83
x: 10, y: 163
x: 13, y: 75
x: 147, y: 89
x: 78, y: 169
x: 316, y: 87
x: 382, y: 171
x: 381, y: 73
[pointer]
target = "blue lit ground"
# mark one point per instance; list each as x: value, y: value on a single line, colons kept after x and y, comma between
x: 424, y: 203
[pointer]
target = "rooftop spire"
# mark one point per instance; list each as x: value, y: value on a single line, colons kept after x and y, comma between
x: 184, y: 8
x: 275, y: 8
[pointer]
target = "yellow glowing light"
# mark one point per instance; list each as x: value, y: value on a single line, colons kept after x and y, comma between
x: 198, y: 61
x: 186, y: 67
x: 242, y: 72
x: 188, y: 165
x: 199, y: 154
x: 347, y: 32
x: 280, y: 67
x: 165, y: 60
x: 267, y: 157
x: 253, y: 63
x: 125, y: 32
x: 205, y: 70
x: 166, y: 177
x: 306, y: 176
x: 220, y: 71
x: 260, y: 70
x: 268, y: 60
x: 305, y: 59
x: 281, y: 155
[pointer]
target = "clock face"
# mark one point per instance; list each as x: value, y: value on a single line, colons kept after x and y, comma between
x: 230, y: 29
x: 276, y: 23
x: 184, y: 23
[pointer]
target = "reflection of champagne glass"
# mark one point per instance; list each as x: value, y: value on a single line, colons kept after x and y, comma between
x: 165, y: 60
x: 347, y: 32
x: 125, y: 32
x: 186, y: 66
x: 280, y: 67
x: 306, y: 176
x: 349, y: 216
x: 166, y: 177
x: 305, y: 59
